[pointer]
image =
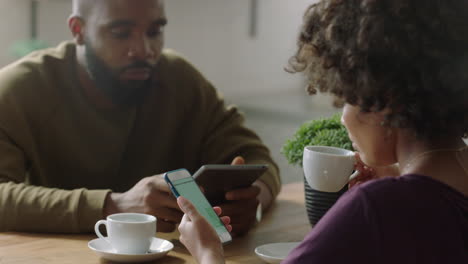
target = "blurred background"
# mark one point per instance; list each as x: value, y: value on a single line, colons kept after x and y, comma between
x: 241, y: 46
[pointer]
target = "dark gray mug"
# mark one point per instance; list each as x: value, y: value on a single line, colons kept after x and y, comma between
x: 318, y: 203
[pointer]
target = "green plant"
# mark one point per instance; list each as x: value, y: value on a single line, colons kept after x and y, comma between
x: 320, y: 132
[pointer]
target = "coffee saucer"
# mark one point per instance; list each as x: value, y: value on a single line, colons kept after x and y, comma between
x: 275, y: 252
x: 159, y: 248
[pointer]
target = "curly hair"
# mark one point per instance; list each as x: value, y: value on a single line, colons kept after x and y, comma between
x: 409, y: 56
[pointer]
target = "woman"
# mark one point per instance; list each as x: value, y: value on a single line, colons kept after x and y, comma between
x: 400, y: 67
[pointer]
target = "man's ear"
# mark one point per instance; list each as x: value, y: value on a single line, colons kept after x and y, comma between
x: 76, y: 26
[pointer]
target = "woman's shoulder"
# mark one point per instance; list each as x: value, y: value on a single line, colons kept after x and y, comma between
x: 409, y: 182
x: 408, y: 191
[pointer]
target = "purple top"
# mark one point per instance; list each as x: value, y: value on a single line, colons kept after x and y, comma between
x: 409, y: 219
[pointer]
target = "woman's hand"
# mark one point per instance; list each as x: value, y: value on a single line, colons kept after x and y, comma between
x: 199, y: 236
x: 367, y: 173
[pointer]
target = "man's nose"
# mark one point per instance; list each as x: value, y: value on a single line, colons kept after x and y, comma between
x: 141, y: 49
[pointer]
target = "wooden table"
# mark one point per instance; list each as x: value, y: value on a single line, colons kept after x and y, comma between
x: 286, y: 221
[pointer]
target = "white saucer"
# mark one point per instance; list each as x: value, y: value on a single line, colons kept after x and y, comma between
x: 276, y: 252
x: 159, y: 248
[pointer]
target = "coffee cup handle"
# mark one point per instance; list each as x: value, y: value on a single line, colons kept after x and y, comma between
x: 98, y: 233
x: 354, y: 175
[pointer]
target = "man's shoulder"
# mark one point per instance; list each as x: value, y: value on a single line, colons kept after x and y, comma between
x: 42, y: 57
x: 29, y: 72
x: 30, y: 85
x: 58, y: 53
x: 175, y: 70
x: 172, y: 62
x: 171, y: 56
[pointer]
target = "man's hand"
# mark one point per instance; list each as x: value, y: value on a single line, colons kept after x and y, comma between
x: 151, y: 196
x: 242, y: 204
x: 242, y: 208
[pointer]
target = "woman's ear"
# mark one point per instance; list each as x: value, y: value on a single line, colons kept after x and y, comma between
x: 76, y: 26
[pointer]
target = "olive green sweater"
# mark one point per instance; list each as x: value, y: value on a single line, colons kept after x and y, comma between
x: 60, y: 155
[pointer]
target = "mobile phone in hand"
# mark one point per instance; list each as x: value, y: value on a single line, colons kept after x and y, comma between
x: 181, y: 183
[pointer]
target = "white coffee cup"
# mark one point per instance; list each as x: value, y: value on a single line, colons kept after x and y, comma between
x: 128, y: 233
x: 328, y: 169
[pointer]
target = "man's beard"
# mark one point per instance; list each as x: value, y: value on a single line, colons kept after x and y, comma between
x: 126, y: 93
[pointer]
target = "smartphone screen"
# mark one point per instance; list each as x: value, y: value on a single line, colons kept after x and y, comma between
x: 182, y: 183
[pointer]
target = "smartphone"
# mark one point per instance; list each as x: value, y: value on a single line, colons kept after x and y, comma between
x: 182, y: 183
x: 218, y: 179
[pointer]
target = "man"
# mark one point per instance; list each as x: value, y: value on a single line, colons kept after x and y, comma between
x: 84, y: 126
